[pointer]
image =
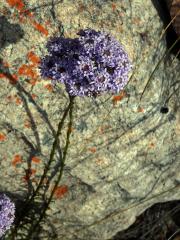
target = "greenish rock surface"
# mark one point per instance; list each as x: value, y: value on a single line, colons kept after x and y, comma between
x: 124, y: 153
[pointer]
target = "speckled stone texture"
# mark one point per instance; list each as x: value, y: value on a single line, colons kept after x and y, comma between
x: 124, y: 152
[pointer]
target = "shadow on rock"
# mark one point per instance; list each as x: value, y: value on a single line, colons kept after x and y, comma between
x: 9, y: 33
x: 171, y: 35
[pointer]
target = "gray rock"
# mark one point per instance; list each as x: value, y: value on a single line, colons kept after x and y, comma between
x: 124, y: 154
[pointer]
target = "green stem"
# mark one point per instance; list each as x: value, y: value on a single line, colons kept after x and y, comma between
x: 46, y: 169
x: 157, y: 65
x: 34, y: 227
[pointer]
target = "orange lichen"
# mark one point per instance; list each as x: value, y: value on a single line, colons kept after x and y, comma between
x: 22, y: 19
x: 92, y: 149
x: 12, y: 78
x: 140, y: 109
x: 27, y: 70
x: 113, y: 6
x: 6, y: 64
x: 119, y: 97
x: 36, y: 159
x: 33, y: 171
x: 23, y: 12
x: 151, y: 145
x: 60, y: 191
x: 9, y: 98
x: 33, y: 58
x: 28, y: 13
x: 2, y: 75
x: 18, y: 4
x: 16, y: 160
x: 49, y: 87
x: 71, y: 129
x: 33, y: 82
x: 27, y: 124
x: 25, y: 178
x: 29, y: 172
x: 102, y: 129
x: 18, y: 100
x: 34, y: 96
x: 40, y: 28
x: 2, y: 137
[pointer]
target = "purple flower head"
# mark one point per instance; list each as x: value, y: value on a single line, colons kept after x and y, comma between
x: 7, y: 213
x: 89, y: 65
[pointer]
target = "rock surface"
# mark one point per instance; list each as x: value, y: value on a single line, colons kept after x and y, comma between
x: 124, y: 152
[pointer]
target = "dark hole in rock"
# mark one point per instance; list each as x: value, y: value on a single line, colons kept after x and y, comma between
x: 164, y: 110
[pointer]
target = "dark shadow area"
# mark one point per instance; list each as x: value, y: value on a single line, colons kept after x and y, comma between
x: 34, y: 210
x: 9, y: 33
x: 171, y: 35
x: 159, y: 222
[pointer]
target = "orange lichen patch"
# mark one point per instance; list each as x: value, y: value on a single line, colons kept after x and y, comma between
x: 151, y: 145
x: 102, y: 129
x: 34, y: 96
x: 2, y: 137
x: 25, y: 178
x: 12, y: 78
x: 36, y: 159
x: 17, y: 159
x: 140, y: 109
x: 29, y: 173
x: 40, y: 28
x: 33, y: 58
x: 27, y: 124
x: 92, y: 149
x: 118, y: 97
x: 49, y: 87
x: 48, y: 23
x: 27, y: 13
x: 22, y: 19
x: 113, y: 6
x: 9, y: 98
x: 18, y: 100
x: 60, y: 191
x: 6, y: 64
x: 18, y: 4
x: 27, y: 70
x: 2, y: 75
x: 33, y: 82
x: 71, y: 129
x: 81, y: 7
x: 33, y: 171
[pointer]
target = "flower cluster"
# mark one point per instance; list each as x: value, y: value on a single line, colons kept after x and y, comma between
x: 88, y: 65
x: 7, y: 213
